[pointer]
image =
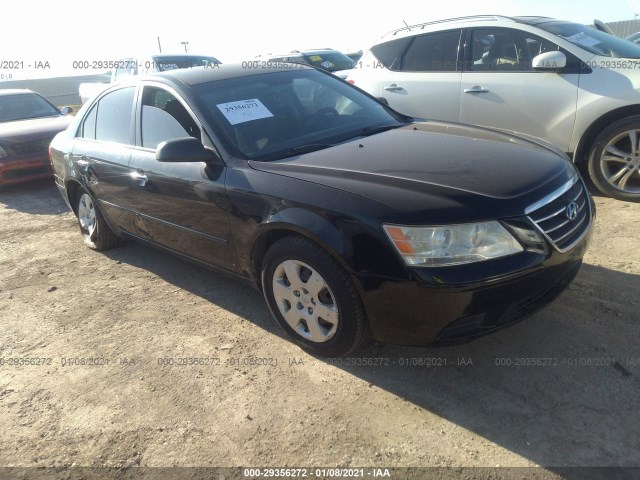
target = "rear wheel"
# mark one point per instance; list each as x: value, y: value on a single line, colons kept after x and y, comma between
x: 97, y: 234
x: 614, y: 160
x: 312, y: 297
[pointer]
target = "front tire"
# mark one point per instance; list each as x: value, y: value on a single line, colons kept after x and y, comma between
x: 97, y: 234
x: 312, y: 297
x: 614, y: 160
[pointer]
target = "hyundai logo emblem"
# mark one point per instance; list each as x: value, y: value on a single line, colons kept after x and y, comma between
x: 572, y: 211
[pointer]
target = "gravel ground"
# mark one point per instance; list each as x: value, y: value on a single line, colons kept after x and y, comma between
x: 560, y: 389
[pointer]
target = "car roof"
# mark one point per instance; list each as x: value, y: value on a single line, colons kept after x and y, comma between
x: 195, y: 76
x: 411, y: 30
x: 15, y: 91
x: 180, y: 55
x: 293, y: 53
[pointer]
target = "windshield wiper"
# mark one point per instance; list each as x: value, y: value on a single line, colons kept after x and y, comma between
x: 378, y: 128
x: 312, y: 147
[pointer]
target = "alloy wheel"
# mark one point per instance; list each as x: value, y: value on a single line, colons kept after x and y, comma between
x: 87, y: 214
x: 620, y: 162
x: 305, y: 301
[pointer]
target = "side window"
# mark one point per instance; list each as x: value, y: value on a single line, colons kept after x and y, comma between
x: 434, y: 52
x: 503, y: 49
x: 88, y: 129
x: 389, y: 53
x: 113, y: 121
x: 164, y: 118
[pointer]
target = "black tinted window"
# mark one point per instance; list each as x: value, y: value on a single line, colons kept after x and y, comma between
x: 164, y: 118
x: 435, y: 52
x: 113, y: 123
x: 389, y: 53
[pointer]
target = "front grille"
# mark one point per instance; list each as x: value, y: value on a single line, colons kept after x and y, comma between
x: 33, y: 146
x: 553, y: 215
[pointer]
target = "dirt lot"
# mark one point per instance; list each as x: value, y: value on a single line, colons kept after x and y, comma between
x: 132, y: 309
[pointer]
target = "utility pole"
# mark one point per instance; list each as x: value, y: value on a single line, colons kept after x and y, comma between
x: 185, y: 46
x: 159, y: 46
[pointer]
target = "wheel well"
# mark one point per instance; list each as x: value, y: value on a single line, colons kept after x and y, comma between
x: 262, y: 244
x: 596, y: 127
x: 72, y: 190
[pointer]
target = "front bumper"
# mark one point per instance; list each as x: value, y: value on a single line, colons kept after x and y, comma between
x: 429, y: 309
x: 24, y: 170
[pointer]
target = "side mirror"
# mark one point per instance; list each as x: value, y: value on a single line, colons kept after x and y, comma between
x: 66, y: 110
x: 186, y: 149
x: 549, y: 61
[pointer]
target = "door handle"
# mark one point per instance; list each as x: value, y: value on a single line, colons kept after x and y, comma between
x: 476, y: 89
x: 393, y: 88
x: 139, y: 177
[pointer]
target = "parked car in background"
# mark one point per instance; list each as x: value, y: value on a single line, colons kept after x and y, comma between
x: 355, y: 56
x: 570, y: 84
x: 28, y: 122
x: 326, y: 58
x: 635, y: 38
x: 350, y: 217
x: 141, y: 66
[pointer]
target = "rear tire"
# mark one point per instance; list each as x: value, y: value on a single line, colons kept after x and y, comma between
x: 97, y: 234
x: 614, y: 160
x: 312, y: 297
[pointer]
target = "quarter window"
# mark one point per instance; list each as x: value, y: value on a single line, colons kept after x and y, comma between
x: 89, y: 124
x: 389, y: 53
x: 435, y: 52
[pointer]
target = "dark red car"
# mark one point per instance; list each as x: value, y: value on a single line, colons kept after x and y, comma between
x: 28, y: 122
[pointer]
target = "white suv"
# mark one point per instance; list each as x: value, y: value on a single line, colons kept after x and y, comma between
x: 572, y: 85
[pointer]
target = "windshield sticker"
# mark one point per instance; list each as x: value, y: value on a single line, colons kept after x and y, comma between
x: 584, y: 40
x: 315, y: 58
x: 244, y: 111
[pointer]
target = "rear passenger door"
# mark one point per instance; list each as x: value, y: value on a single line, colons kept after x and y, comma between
x: 426, y: 80
x: 500, y: 88
x: 101, y: 155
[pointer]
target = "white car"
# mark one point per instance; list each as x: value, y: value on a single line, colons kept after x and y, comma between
x: 570, y: 84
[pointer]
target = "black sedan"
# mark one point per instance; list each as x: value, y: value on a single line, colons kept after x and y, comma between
x: 355, y: 221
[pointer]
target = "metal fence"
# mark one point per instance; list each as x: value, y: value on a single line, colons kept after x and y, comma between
x: 624, y: 28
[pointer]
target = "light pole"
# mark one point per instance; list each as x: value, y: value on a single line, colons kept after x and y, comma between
x: 185, y: 46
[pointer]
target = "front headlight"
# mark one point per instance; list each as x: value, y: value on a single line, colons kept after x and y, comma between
x: 452, y: 244
x: 3, y: 152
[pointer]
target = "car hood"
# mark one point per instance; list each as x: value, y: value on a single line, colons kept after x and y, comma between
x: 453, y: 171
x: 33, y: 128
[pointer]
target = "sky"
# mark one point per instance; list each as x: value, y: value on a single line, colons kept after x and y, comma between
x: 59, y: 37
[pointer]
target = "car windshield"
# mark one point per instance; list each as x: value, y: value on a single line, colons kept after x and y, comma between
x: 279, y: 114
x: 23, y: 106
x: 164, y: 64
x: 592, y: 40
x: 330, y: 61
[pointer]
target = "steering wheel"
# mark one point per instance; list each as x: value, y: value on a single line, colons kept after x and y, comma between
x: 325, y: 114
